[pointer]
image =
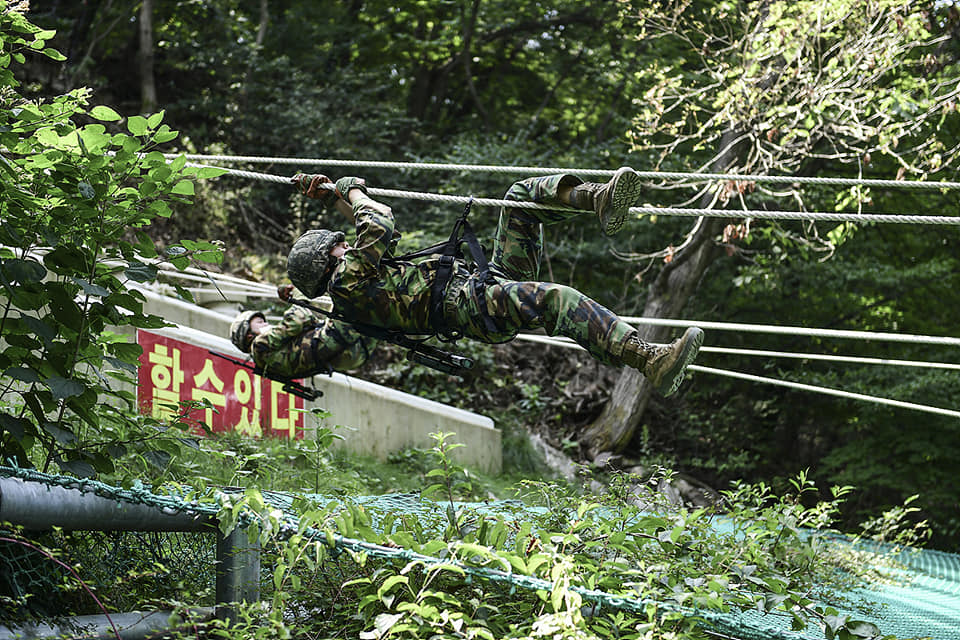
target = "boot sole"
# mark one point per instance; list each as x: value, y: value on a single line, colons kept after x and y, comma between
x: 626, y: 192
x: 692, y: 339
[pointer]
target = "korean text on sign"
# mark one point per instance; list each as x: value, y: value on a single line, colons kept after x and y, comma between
x: 173, y: 371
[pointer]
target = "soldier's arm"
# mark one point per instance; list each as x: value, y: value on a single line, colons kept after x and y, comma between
x: 374, y: 221
x: 343, y: 347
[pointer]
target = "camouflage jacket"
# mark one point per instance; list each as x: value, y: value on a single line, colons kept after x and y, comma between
x: 369, y: 285
x: 304, y: 343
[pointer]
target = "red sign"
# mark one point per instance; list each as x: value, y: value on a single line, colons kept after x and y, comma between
x: 173, y: 371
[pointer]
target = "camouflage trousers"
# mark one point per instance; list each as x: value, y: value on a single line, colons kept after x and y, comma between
x: 516, y: 300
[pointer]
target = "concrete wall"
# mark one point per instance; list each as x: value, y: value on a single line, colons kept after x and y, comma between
x: 375, y: 420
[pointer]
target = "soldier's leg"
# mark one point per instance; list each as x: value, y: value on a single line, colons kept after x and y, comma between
x: 518, y: 243
x: 561, y: 310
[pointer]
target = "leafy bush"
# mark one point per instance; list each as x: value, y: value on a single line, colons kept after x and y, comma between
x: 75, y: 200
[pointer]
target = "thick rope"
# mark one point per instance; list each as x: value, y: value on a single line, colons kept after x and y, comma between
x: 797, y: 215
x: 661, y: 175
x: 829, y: 358
x: 675, y: 211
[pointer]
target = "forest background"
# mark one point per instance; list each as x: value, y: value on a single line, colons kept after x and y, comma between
x: 675, y: 86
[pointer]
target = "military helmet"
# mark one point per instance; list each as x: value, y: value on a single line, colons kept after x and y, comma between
x: 309, y: 259
x: 240, y: 327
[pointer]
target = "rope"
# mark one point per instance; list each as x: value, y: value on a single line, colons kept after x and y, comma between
x: 563, y: 342
x: 566, y: 342
x: 675, y: 211
x: 797, y: 215
x: 798, y: 331
x: 827, y: 390
x: 491, y: 168
x: 830, y: 358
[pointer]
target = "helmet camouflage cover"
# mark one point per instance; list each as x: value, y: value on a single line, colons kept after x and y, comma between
x: 240, y: 327
x: 309, y: 258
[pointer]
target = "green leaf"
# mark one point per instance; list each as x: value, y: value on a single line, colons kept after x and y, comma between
x: 184, y: 188
x: 390, y: 583
x: 6, y: 166
x: 64, y: 387
x: 128, y: 351
x: 208, y: 172
x: 137, y: 125
x: 15, y: 426
x: 772, y: 600
x: 65, y: 308
x: 23, y: 272
x: 61, y: 434
x: 154, y: 120
x: 66, y: 259
x: 140, y: 272
x: 23, y: 374
x: 39, y: 327
x: 120, y: 364
x: 184, y: 294
x: 165, y: 134
x: 79, y: 468
x: 53, y: 54
x: 92, y: 289
x: 158, y: 459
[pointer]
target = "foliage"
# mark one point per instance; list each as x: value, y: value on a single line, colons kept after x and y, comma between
x: 552, y: 563
x: 75, y: 200
x: 565, y: 566
x: 804, y: 83
x: 815, y: 90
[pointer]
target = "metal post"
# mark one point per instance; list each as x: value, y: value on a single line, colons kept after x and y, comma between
x: 238, y: 571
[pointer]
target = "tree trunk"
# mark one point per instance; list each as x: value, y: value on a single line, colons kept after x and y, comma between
x: 669, y: 294
x: 264, y: 21
x: 148, y: 86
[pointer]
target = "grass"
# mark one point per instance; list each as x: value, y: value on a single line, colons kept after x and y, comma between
x: 311, y: 466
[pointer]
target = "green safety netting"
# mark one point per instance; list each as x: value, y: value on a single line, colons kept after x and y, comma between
x: 919, y: 599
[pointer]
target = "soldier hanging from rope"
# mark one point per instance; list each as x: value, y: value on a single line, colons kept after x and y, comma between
x: 306, y: 341
x: 495, y: 301
x: 302, y: 344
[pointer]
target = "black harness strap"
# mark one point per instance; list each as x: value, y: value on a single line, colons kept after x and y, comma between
x: 450, y: 251
x: 448, y: 259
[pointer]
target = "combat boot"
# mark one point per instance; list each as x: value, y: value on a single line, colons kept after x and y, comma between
x: 663, y: 364
x: 610, y: 200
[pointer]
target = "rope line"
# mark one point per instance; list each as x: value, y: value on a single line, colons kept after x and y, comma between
x: 797, y: 215
x: 562, y: 342
x: 798, y: 331
x: 195, y: 274
x: 826, y: 390
x: 527, y: 170
x: 831, y: 358
x: 648, y: 210
x: 566, y: 342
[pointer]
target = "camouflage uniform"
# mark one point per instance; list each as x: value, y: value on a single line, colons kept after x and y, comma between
x: 305, y: 343
x: 371, y: 287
